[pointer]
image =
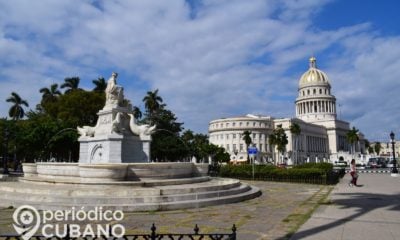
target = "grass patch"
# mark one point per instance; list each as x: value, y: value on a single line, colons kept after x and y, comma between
x: 295, y: 220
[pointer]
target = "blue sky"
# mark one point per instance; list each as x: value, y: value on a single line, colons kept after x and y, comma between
x: 211, y: 58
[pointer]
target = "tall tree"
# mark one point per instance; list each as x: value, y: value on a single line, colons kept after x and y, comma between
x: 16, y: 111
x: 137, y: 113
x: 377, y: 148
x: 50, y: 94
x: 295, y: 130
x: 152, y: 102
x: 71, y: 84
x: 352, y: 137
x: 247, y: 140
x: 100, y: 84
x: 279, y: 139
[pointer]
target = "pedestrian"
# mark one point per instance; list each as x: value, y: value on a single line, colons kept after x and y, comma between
x: 353, y: 173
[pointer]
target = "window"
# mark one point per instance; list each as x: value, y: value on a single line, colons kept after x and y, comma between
x: 308, y: 92
x: 260, y: 147
x: 254, y: 136
x: 260, y: 124
x: 241, y: 147
x: 227, y: 147
x: 304, y: 93
x: 240, y: 124
x: 325, y: 91
x: 233, y: 124
x: 234, y: 147
x: 247, y: 123
x: 227, y: 136
x: 222, y: 136
x: 227, y: 124
x: 260, y: 136
x: 320, y: 91
x: 254, y: 124
x: 234, y: 135
x: 314, y: 91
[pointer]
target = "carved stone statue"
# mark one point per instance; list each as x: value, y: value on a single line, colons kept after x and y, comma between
x: 87, y: 131
x: 144, y: 130
x: 114, y: 93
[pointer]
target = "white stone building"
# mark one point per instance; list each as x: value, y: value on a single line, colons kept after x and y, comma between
x: 322, y: 136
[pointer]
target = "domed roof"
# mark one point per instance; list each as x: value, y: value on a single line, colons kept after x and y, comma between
x: 313, y: 76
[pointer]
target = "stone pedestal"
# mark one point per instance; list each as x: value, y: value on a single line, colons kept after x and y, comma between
x: 113, y: 148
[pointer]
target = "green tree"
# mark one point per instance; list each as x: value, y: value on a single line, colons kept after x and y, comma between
x: 137, y: 113
x: 50, y: 94
x: 247, y: 140
x: 377, y: 148
x: 152, y: 102
x: 100, y: 84
x: 16, y: 111
x: 279, y: 139
x: 71, y: 84
x: 166, y: 144
x: 295, y: 130
x: 352, y: 137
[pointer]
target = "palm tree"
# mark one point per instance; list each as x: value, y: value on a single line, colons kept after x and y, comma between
x: 352, y: 138
x: 71, y: 84
x: 100, y: 84
x: 377, y: 148
x: 247, y: 140
x: 50, y: 94
x: 295, y: 130
x: 137, y: 113
x: 152, y: 102
x: 16, y: 111
x: 279, y: 139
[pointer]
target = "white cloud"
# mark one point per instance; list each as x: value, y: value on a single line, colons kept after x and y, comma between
x: 229, y: 58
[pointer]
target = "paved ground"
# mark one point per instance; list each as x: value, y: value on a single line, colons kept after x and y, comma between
x: 368, y: 212
x: 277, y: 213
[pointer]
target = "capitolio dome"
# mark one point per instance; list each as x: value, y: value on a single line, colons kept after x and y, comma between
x: 313, y: 76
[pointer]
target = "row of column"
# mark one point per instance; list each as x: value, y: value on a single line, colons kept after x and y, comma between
x: 321, y: 106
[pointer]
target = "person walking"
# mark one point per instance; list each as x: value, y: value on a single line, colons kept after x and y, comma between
x: 353, y: 173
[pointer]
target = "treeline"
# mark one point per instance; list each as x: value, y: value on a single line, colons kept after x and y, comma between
x: 49, y: 130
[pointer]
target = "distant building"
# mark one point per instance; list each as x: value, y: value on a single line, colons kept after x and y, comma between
x: 322, y: 136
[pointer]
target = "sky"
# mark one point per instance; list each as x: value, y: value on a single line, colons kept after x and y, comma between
x: 210, y: 58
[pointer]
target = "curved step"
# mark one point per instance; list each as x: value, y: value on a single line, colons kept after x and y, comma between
x: 169, y: 197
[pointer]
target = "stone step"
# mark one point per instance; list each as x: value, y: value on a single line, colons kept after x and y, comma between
x: 251, y: 192
x: 120, y: 191
x: 144, y: 183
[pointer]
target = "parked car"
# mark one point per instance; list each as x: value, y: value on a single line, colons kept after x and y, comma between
x: 391, y: 164
x: 376, y: 163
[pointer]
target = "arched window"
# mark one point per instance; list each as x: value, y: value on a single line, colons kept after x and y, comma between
x: 314, y: 91
x: 320, y: 91
x: 308, y: 92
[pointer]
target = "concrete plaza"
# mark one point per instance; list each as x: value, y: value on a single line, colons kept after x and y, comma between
x: 371, y: 211
x: 275, y: 214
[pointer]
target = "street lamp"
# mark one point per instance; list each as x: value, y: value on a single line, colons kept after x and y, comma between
x: 394, y: 169
x: 5, y: 146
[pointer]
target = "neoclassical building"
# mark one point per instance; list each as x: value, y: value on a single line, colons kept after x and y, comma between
x: 322, y: 135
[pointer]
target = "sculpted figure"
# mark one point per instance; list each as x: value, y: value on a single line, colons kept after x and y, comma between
x: 87, y: 130
x: 116, y: 123
x: 141, y: 130
x: 114, y: 93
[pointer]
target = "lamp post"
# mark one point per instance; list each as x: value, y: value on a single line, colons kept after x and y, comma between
x: 5, y: 153
x: 394, y: 169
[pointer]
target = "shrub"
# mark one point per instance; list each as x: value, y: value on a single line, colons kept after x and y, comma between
x: 317, y: 173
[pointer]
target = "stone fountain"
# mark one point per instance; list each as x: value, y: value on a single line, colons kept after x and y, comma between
x: 114, y: 171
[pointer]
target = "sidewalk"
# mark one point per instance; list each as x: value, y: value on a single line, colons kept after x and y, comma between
x: 368, y: 212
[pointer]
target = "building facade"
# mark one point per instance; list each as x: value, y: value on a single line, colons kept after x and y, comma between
x: 322, y: 136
